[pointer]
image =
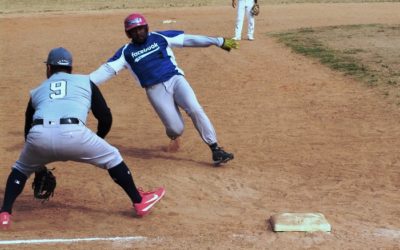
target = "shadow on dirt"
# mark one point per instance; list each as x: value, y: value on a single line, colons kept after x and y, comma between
x: 151, y: 153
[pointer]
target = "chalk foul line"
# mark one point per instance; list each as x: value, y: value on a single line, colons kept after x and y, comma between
x: 40, y: 241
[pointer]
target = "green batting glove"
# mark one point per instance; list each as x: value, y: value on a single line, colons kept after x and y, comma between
x: 229, y: 44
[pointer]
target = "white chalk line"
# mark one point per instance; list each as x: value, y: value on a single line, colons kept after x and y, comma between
x: 39, y: 241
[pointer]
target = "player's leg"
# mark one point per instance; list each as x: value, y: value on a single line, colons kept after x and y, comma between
x: 250, y: 21
x: 186, y: 98
x: 85, y: 146
x: 123, y: 177
x: 239, y: 19
x: 29, y: 160
x: 142, y: 201
x: 14, y: 186
x: 161, y: 97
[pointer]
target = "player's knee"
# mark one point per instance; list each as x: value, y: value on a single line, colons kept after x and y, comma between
x: 175, y: 132
x: 27, y: 170
x: 109, y: 160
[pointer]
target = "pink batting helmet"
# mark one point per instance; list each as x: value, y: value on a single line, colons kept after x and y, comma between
x: 134, y: 20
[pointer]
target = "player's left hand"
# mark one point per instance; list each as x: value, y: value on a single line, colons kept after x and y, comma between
x: 234, y: 3
x: 255, y: 10
x: 44, y: 184
x: 229, y: 44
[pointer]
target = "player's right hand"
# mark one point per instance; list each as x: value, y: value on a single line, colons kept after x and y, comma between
x: 229, y: 44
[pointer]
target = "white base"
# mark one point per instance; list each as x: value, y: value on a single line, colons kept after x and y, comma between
x: 300, y: 222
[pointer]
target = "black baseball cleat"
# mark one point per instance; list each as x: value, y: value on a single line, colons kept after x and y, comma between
x: 220, y: 156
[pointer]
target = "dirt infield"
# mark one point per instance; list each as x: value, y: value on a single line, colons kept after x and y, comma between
x: 305, y: 138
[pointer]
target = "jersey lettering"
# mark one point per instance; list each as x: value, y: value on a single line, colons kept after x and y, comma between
x: 154, y: 46
x: 58, y: 89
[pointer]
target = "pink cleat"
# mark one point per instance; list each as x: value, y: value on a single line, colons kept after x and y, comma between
x: 5, y: 220
x: 149, y: 199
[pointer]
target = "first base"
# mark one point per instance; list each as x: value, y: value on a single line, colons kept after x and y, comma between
x: 299, y: 222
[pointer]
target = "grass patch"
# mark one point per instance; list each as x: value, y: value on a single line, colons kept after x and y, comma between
x: 301, y: 42
x: 369, y: 53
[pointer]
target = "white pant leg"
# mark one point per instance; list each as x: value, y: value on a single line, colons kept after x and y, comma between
x: 239, y: 18
x: 161, y: 97
x: 186, y: 99
x: 250, y: 19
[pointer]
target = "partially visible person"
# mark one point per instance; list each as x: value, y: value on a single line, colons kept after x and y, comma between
x: 55, y: 131
x: 150, y: 59
x: 244, y: 9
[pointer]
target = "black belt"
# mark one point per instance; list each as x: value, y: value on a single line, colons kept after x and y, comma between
x: 62, y: 121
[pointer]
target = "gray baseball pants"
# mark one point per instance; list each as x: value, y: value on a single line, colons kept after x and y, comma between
x: 168, y: 96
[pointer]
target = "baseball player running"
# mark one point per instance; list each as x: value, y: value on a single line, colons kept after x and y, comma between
x: 55, y: 131
x: 150, y: 59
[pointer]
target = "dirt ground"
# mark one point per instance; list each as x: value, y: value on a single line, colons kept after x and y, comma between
x: 305, y: 138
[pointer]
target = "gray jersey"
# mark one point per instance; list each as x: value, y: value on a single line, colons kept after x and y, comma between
x: 62, y: 95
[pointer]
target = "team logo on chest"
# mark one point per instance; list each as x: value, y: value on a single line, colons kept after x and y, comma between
x: 139, y: 55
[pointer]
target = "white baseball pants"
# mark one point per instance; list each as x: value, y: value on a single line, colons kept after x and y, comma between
x: 244, y: 7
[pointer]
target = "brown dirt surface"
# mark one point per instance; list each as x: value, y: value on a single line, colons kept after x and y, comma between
x: 305, y: 138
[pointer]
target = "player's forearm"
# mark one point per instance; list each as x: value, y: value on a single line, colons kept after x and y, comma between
x: 201, y: 41
x: 102, y: 74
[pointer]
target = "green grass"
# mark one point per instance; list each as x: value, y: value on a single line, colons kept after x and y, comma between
x: 352, y: 49
x: 335, y: 59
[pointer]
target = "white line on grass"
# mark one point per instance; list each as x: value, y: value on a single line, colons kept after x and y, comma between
x: 39, y: 241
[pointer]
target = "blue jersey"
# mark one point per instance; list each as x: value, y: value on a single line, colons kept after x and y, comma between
x: 153, y: 61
